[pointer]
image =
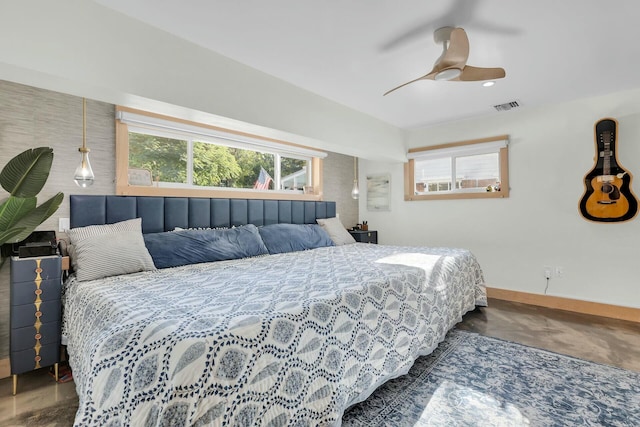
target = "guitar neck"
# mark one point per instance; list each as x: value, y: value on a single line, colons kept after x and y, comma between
x: 607, y: 152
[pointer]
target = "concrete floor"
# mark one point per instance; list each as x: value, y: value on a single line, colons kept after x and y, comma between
x: 41, y: 402
x: 598, y: 339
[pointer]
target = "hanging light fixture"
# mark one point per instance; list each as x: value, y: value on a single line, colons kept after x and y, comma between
x: 84, y: 176
x: 355, y: 193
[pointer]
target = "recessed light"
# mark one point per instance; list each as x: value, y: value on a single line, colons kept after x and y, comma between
x: 488, y: 84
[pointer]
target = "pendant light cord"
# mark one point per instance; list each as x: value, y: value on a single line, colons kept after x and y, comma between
x: 84, y: 148
x: 355, y: 168
x: 84, y: 123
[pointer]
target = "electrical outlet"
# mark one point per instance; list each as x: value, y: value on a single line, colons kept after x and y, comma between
x: 559, y: 271
x: 63, y: 224
x: 548, y: 272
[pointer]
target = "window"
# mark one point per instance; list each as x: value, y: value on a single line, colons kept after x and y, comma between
x: 469, y: 169
x: 183, y: 156
x: 165, y: 158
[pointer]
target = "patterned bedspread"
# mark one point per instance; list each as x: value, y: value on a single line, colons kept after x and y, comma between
x: 277, y: 340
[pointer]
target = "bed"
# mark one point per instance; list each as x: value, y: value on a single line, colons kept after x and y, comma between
x: 276, y: 339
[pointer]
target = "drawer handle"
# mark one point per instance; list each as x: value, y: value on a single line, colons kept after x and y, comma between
x: 38, y: 292
x: 37, y: 358
x: 38, y: 314
x: 38, y: 270
x: 38, y: 336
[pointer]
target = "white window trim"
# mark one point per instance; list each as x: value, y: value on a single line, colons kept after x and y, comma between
x: 220, y: 137
x: 191, y: 138
x: 460, y: 151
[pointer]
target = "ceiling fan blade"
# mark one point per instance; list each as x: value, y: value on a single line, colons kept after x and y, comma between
x: 470, y: 74
x: 451, y: 65
x: 458, y: 51
x: 425, y: 77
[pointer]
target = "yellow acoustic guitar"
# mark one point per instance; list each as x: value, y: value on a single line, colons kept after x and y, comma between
x: 608, y: 196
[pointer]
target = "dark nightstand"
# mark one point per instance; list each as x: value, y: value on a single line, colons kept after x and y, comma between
x: 369, y: 236
x: 35, y: 314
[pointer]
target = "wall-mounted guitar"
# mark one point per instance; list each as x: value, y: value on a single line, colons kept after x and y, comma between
x: 608, y: 196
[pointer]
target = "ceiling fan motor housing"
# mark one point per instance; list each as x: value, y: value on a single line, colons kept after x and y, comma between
x: 442, y: 35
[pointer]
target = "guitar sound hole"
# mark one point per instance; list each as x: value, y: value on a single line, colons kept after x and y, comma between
x: 611, y: 190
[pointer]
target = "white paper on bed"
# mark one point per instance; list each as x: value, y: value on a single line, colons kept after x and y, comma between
x: 288, y: 339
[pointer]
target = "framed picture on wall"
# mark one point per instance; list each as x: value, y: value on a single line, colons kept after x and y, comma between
x: 379, y: 192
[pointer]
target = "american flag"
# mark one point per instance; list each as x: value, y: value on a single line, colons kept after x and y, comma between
x: 262, y: 183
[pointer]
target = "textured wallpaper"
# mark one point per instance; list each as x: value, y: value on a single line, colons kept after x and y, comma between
x: 32, y: 117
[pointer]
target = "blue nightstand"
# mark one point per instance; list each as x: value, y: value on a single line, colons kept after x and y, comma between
x: 368, y: 236
x: 35, y: 314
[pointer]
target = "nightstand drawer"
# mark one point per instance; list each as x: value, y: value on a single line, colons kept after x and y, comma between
x: 28, y: 360
x: 25, y: 315
x: 365, y: 236
x: 25, y: 338
x: 25, y: 292
x: 26, y: 269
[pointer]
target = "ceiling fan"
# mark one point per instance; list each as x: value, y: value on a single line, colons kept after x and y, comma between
x: 452, y: 64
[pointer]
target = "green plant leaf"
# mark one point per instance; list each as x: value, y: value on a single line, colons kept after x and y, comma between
x: 13, y: 209
x: 34, y: 218
x: 8, y: 235
x: 23, y: 177
x: 26, y: 174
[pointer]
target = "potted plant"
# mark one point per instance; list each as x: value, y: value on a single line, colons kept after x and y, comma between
x: 23, y: 177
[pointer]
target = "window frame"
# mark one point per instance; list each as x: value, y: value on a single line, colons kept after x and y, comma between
x: 122, y: 165
x: 503, y: 159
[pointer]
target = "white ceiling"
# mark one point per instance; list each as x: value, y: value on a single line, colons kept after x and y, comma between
x: 354, y: 51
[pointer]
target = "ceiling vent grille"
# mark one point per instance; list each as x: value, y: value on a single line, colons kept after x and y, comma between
x: 507, y: 106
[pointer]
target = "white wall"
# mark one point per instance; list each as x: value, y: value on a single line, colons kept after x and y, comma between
x: 551, y: 150
x: 80, y: 48
x: 84, y: 49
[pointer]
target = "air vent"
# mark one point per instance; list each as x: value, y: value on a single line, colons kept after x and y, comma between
x: 507, y: 106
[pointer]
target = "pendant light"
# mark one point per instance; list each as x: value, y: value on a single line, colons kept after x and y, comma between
x: 84, y: 176
x: 355, y: 193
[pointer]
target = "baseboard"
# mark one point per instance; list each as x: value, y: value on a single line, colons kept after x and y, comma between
x: 5, y: 368
x: 578, y: 306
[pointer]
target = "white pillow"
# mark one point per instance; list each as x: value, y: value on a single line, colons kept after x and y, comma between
x: 336, y: 231
x: 109, y: 250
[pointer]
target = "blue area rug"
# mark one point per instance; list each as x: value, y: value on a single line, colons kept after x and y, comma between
x: 473, y: 380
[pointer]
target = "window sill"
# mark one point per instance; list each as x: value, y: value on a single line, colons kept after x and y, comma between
x: 449, y: 196
x: 137, y: 190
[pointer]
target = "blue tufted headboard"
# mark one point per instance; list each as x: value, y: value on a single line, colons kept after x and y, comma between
x: 165, y: 213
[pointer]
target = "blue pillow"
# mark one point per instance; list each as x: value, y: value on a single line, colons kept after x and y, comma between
x: 279, y: 238
x: 174, y: 248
